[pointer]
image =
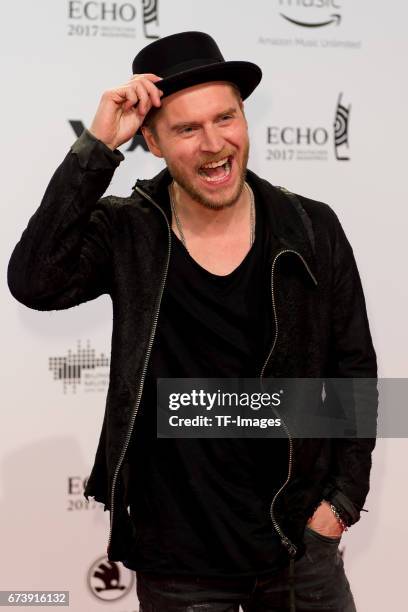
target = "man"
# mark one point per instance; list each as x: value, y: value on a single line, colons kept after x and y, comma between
x: 213, y: 272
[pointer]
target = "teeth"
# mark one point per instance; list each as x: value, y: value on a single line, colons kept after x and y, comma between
x: 220, y: 178
x: 215, y: 164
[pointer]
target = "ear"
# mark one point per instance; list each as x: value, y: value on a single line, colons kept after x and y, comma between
x: 242, y: 107
x: 151, y: 141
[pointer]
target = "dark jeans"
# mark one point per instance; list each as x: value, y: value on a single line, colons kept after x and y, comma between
x: 318, y: 578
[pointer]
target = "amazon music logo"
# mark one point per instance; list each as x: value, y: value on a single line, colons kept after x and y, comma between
x: 310, y: 24
x: 93, y: 18
x: 307, y: 142
x: 311, y: 13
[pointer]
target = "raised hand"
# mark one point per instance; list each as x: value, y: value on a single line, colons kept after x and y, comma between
x: 122, y: 110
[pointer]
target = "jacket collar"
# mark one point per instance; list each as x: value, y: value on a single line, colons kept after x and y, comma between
x: 156, y: 188
x: 289, y: 223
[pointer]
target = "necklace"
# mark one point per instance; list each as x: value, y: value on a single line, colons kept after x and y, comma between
x: 251, y: 215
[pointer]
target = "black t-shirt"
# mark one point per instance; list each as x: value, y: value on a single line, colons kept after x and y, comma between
x: 201, y: 506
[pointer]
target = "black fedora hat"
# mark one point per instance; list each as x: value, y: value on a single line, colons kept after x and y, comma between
x: 191, y: 58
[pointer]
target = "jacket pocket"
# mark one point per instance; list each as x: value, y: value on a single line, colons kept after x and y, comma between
x: 320, y: 537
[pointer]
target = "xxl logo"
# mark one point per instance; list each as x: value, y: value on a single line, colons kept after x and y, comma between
x: 311, y: 142
x: 113, y: 19
x: 305, y: 13
x: 80, y: 368
x: 137, y: 140
x: 108, y: 580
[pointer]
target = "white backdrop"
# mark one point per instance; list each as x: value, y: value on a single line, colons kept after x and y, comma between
x: 57, y: 58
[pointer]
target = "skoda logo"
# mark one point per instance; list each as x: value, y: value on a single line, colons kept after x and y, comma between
x: 108, y: 580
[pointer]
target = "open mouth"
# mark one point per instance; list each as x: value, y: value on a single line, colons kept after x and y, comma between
x: 216, y: 171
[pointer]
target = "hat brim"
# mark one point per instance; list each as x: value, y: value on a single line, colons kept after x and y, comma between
x: 245, y: 75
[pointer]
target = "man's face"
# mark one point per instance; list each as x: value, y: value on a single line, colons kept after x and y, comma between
x: 202, y: 134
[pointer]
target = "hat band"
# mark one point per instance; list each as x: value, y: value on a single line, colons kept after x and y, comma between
x: 195, y: 63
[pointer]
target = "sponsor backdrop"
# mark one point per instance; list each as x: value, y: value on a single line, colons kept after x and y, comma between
x: 328, y: 121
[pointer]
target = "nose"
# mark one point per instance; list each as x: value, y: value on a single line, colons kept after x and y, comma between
x: 212, y: 141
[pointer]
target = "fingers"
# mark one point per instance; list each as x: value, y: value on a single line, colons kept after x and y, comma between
x: 147, y: 75
x: 142, y: 91
x: 154, y: 92
x: 122, y: 110
x: 130, y: 97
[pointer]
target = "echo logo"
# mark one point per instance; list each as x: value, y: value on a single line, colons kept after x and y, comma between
x: 297, y: 136
x: 76, y: 485
x: 311, y: 142
x: 101, y: 11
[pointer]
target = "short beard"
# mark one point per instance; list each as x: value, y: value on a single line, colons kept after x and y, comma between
x: 202, y: 200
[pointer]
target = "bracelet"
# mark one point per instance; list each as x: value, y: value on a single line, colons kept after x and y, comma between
x: 337, y: 515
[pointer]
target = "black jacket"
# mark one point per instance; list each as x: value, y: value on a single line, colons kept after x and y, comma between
x: 78, y: 246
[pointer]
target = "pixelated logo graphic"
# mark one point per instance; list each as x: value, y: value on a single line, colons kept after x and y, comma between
x: 308, y: 142
x: 137, y: 141
x: 80, y: 369
x: 108, y: 580
x: 341, y: 130
x: 122, y: 19
x: 304, y: 8
x: 150, y: 18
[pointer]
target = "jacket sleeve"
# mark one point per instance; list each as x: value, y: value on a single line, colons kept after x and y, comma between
x: 64, y: 255
x: 354, y: 371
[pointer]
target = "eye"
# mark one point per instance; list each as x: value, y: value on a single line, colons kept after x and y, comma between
x: 226, y: 117
x: 186, y: 130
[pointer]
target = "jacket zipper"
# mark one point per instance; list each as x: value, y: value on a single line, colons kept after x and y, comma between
x: 291, y: 548
x: 285, y: 540
x: 149, y: 348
